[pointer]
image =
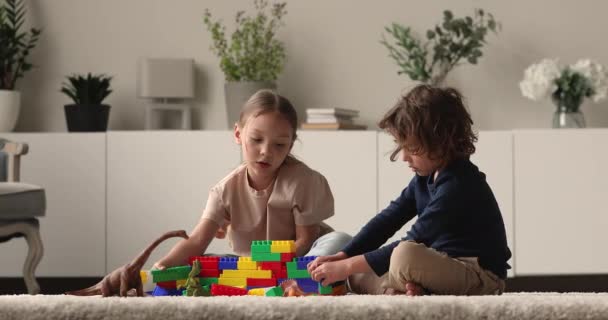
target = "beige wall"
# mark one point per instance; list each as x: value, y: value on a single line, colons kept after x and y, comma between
x: 335, y: 58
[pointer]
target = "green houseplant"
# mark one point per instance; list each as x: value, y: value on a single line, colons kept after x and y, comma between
x: 15, y: 48
x: 447, y: 45
x: 252, y: 58
x: 87, y: 113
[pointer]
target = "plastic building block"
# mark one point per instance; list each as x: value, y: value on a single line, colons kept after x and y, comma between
x: 256, y: 292
x: 208, y: 281
x: 256, y: 274
x: 220, y: 290
x: 339, y: 290
x: 280, y: 274
x: 291, y: 266
x: 303, y: 262
x: 271, y: 265
x: 228, y: 263
x: 207, y: 262
x: 233, y: 282
x: 272, y: 282
x: 258, y: 256
x: 274, y: 292
x: 326, y: 289
x: 297, y: 274
x: 205, y: 273
x: 204, y: 292
x: 245, y: 263
x: 171, y: 274
x: 160, y: 291
x: 283, y: 246
x: 167, y: 284
x: 286, y: 257
x: 260, y: 246
x: 306, y: 282
x: 181, y: 283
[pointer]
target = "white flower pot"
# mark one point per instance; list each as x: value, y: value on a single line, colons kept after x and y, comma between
x: 237, y: 93
x: 10, y: 103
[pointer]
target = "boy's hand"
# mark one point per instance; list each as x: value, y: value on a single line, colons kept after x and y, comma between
x: 330, y: 272
x: 323, y: 259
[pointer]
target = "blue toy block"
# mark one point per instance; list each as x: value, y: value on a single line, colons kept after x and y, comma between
x: 306, y: 282
x: 310, y: 289
x: 160, y: 292
x: 228, y: 263
x: 302, y: 262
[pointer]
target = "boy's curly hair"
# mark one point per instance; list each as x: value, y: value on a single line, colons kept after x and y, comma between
x: 432, y: 120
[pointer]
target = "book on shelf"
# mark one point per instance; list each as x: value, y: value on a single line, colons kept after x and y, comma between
x: 333, y: 126
x: 329, y: 119
x: 332, y: 111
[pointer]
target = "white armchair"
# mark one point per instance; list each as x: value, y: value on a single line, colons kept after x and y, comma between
x: 20, y: 205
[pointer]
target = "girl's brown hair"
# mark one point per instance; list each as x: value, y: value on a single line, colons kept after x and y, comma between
x: 434, y: 120
x: 267, y: 101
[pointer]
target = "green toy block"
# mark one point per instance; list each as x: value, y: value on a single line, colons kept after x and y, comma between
x: 260, y: 246
x: 325, y: 290
x: 292, y: 266
x: 298, y: 274
x: 275, y: 292
x: 207, y: 281
x: 259, y: 256
x: 171, y: 274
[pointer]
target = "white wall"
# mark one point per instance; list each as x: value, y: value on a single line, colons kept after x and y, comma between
x: 335, y: 58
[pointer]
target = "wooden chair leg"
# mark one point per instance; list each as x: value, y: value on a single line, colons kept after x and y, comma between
x: 30, y: 230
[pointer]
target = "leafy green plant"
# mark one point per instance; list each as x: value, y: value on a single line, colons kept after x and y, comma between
x: 15, y: 46
x: 447, y: 45
x: 253, y: 53
x: 89, y: 90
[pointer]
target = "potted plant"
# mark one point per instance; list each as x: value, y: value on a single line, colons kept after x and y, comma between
x: 87, y: 113
x: 253, y: 58
x: 447, y: 45
x: 15, y: 47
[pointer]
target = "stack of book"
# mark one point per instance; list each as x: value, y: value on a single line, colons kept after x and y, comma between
x: 331, y: 119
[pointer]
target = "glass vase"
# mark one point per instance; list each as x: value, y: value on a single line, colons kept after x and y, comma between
x: 568, y: 119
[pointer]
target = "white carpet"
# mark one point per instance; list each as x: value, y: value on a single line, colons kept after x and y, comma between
x: 353, y: 307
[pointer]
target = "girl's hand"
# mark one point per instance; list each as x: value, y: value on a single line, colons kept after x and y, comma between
x: 323, y: 259
x: 330, y: 272
x: 158, y: 266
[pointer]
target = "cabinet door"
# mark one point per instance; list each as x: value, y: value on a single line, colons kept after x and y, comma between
x: 561, y: 187
x: 159, y: 181
x: 493, y: 157
x: 348, y: 160
x: 71, y: 168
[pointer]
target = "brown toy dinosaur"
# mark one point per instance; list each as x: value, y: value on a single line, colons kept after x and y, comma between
x: 127, y: 277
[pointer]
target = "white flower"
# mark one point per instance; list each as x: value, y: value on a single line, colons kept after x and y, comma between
x: 539, y: 79
x: 597, y: 75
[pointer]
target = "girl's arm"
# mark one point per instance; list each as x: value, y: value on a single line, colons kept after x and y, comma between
x: 199, y: 240
x: 305, y: 237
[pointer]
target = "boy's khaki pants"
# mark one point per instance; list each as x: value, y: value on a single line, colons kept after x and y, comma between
x: 433, y: 270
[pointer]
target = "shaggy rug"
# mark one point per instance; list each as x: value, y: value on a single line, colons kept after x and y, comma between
x: 352, y: 307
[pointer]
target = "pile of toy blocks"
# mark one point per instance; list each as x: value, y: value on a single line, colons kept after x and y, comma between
x: 271, y: 263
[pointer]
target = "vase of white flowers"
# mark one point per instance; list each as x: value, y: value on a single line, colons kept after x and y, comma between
x: 567, y: 87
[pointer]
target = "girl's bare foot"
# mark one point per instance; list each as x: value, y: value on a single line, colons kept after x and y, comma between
x: 414, y: 289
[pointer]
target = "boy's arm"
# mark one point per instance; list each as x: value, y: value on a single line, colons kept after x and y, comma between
x: 384, y: 224
x: 305, y: 237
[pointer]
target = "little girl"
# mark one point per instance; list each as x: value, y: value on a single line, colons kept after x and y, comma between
x: 271, y: 196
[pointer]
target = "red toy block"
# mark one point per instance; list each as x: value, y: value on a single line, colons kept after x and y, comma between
x: 208, y: 262
x: 280, y: 274
x: 167, y: 284
x: 272, y: 282
x: 287, y: 257
x: 221, y: 290
x: 273, y: 265
x: 206, y: 273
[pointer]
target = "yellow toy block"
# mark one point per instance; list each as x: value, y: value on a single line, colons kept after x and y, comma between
x: 283, y: 246
x: 245, y: 263
x: 255, y: 274
x: 144, y: 276
x: 181, y: 283
x: 257, y: 292
x: 233, y: 282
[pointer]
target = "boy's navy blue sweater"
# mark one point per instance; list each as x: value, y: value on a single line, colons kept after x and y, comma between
x: 457, y: 215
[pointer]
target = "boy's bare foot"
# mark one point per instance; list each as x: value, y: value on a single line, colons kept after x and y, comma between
x: 414, y: 289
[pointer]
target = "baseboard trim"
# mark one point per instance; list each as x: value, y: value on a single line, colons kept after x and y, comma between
x: 570, y: 283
